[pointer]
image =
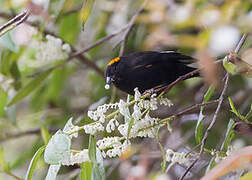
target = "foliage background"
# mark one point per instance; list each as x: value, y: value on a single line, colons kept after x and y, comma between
x: 187, y: 26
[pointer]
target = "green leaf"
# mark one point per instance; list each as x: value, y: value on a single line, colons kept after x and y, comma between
x: 5, y: 62
x: 30, y: 87
x: 56, y: 84
x: 199, y: 126
x: 69, y: 24
x: 45, y: 134
x: 229, y: 136
x: 98, y: 170
x: 58, y: 148
x: 234, y: 110
x: 68, y: 126
x: 92, y: 148
x: 247, y: 176
x: 3, y: 163
x: 210, y: 165
x: 33, y: 163
x: 127, y: 117
x: 208, y: 94
x: 230, y: 67
x: 11, y: 114
x: 3, y: 101
x: 130, y: 127
x: 86, y: 11
x: 52, y: 172
x: 249, y: 114
x: 86, y: 171
x: 15, y: 73
x: 7, y: 42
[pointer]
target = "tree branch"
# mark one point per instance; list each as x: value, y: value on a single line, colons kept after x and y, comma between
x: 14, y: 22
x: 130, y: 26
x: 221, y: 98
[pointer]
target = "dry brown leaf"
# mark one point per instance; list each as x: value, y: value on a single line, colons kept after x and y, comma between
x: 237, y: 160
x: 209, y: 68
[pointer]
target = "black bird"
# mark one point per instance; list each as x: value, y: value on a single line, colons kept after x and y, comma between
x: 146, y: 70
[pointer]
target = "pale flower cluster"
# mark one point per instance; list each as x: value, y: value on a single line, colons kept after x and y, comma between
x: 93, y: 128
x: 113, y: 123
x: 139, y: 121
x: 142, y: 124
x: 50, y: 50
x: 113, y: 145
x: 71, y: 129
x: 138, y: 128
x: 99, y: 114
x: 76, y: 158
x: 99, y: 117
x: 177, y: 157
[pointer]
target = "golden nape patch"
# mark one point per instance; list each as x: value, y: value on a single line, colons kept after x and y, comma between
x: 113, y: 61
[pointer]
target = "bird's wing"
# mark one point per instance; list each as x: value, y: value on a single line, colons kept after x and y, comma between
x: 148, y: 58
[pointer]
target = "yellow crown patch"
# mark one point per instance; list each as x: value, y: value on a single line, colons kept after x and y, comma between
x: 113, y: 61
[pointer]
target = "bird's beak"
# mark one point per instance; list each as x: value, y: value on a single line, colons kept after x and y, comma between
x: 108, y: 82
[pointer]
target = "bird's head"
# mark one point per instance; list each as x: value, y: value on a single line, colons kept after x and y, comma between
x: 110, y: 72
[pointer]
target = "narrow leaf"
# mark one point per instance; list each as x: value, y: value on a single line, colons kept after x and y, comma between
x: 92, y: 148
x: 199, y: 126
x: 235, y: 111
x: 86, y: 171
x: 229, y: 135
x: 230, y: 67
x: 86, y: 10
x: 45, y: 134
x: 11, y: 113
x: 52, y: 172
x: 127, y: 117
x: 249, y: 114
x: 210, y: 165
x: 3, y: 163
x: 33, y: 163
x: 130, y: 127
x: 3, y: 101
x: 98, y: 170
x: 31, y: 86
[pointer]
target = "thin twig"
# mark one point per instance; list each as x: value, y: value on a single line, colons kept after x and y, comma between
x: 11, y: 174
x: 130, y: 26
x: 10, y: 136
x: 221, y: 98
x: 195, y: 106
x: 98, y: 42
x: 14, y: 22
x: 180, y: 113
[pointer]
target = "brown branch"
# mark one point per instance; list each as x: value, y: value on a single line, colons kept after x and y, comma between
x: 37, y: 131
x: 89, y: 63
x: 17, y: 20
x: 130, y: 26
x: 180, y: 113
x: 127, y: 30
x: 221, y: 98
x: 98, y: 42
x: 195, y: 106
x: 5, y: 15
x: 12, y: 175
